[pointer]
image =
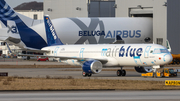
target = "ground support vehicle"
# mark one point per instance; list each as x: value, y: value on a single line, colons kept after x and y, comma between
x: 176, y: 59
x: 166, y: 72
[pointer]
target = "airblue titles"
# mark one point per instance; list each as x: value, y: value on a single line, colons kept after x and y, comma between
x: 122, y: 52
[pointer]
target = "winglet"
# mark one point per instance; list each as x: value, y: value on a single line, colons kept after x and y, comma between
x: 52, y: 38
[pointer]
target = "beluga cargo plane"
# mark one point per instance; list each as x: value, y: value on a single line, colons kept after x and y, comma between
x: 20, y: 30
x: 92, y: 58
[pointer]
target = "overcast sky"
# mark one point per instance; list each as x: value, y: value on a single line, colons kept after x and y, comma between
x: 14, y: 3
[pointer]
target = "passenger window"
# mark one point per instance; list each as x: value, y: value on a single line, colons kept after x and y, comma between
x: 166, y: 71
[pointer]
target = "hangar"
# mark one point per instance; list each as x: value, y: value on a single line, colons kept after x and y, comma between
x: 165, y: 14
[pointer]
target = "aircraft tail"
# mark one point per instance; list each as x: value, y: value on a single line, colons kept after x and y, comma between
x: 118, y: 40
x: 52, y: 38
x: 28, y: 36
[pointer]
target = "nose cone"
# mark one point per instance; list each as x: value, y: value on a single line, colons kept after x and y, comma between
x: 168, y: 58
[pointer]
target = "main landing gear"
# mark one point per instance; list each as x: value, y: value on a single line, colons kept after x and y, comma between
x: 121, y: 72
x: 86, y: 74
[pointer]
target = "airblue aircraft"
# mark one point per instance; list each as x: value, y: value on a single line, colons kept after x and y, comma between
x: 92, y: 58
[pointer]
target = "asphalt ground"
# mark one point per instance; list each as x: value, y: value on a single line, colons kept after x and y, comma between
x: 168, y: 95
x: 64, y: 72
x: 74, y: 72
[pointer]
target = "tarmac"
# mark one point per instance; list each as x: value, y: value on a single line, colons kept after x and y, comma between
x: 166, y: 95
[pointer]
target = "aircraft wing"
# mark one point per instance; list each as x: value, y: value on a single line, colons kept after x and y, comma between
x: 103, y: 60
x: 34, y: 50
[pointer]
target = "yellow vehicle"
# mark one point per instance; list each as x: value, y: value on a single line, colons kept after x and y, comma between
x: 176, y: 59
x: 166, y: 72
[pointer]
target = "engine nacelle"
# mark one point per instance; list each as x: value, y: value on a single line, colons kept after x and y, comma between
x: 141, y: 69
x: 92, y: 66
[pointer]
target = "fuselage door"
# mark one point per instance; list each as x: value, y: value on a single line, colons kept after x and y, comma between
x: 147, y: 50
x: 81, y: 53
x: 56, y: 51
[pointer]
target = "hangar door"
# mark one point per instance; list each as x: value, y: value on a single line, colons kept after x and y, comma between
x: 101, y: 9
x: 140, y: 12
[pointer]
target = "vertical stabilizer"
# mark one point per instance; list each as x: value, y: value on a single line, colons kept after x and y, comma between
x: 168, y: 46
x: 52, y: 38
x: 12, y: 30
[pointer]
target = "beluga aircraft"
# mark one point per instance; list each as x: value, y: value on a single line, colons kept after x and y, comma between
x: 26, y: 32
x: 92, y: 58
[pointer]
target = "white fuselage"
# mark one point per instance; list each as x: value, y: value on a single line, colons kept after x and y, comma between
x: 117, y: 55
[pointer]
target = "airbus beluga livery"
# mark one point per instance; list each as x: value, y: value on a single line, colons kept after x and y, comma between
x: 92, y: 58
x: 22, y: 31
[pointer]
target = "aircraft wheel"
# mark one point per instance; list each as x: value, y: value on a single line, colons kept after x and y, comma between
x: 123, y: 73
x: 89, y: 75
x: 84, y: 74
x: 119, y: 72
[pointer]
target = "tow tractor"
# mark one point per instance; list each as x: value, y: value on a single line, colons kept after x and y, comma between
x: 166, y: 72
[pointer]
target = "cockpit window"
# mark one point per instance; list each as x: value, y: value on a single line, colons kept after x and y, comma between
x: 164, y: 51
x: 158, y: 51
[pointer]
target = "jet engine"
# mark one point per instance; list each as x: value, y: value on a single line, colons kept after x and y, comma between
x: 141, y: 69
x: 92, y: 66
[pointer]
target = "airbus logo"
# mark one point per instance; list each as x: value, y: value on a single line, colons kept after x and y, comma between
x: 89, y: 32
x: 12, y: 29
x: 124, y: 34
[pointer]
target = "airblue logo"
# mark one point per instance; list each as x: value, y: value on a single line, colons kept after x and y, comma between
x: 130, y: 51
x: 122, y: 52
x: 52, y: 29
x: 113, y: 34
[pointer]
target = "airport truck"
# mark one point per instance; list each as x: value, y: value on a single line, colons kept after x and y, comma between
x: 176, y: 59
x: 166, y: 72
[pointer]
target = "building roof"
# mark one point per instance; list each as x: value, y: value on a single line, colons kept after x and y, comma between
x: 30, y: 6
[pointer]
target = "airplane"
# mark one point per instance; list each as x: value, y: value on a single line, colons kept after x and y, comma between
x: 93, y: 57
x: 25, y: 32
